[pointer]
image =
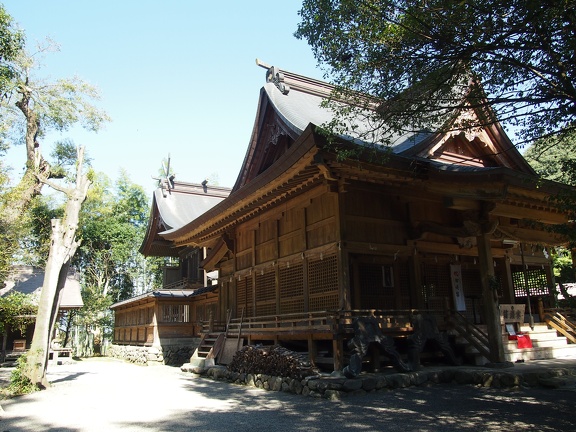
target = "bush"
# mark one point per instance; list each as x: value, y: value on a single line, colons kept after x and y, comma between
x: 19, y: 383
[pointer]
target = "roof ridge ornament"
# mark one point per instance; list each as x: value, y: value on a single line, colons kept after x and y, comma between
x: 276, y: 77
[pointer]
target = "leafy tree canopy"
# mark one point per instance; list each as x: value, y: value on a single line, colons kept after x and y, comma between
x: 554, y: 159
x: 17, y: 310
x: 11, y: 43
x: 113, y: 225
x: 520, y: 52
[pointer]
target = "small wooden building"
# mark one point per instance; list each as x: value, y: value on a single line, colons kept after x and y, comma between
x: 171, y: 316
x: 308, y: 240
x: 29, y: 280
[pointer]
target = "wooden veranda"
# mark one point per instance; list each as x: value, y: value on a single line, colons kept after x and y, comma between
x: 323, y: 334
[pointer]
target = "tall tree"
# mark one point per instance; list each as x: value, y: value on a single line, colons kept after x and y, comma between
x: 113, y: 225
x: 32, y: 107
x: 11, y: 43
x: 63, y: 246
x: 422, y: 56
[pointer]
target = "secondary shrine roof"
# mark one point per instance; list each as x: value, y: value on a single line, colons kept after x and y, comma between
x: 175, y: 204
x: 29, y: 280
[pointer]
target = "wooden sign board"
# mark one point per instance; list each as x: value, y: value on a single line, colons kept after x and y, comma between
x: 512, y: 313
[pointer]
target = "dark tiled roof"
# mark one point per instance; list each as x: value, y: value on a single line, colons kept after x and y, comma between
x: 29, y: 280
x: 163, y: 293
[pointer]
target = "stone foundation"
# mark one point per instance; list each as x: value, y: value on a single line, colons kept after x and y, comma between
x: 172, y: 355
x: 337, y: 387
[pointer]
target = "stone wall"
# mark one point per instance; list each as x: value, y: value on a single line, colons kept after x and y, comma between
x: 172, y: 355
x: 335, y: 387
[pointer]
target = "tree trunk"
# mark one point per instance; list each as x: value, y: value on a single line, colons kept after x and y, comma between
x: 69, y: 322
x: 47, y: 306
x: 4, y: 343
x: 29, y: 186
x: 62, y: 248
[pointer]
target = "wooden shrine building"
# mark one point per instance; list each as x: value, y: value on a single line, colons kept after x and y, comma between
x: 170, y: 316
x: 307, y: 240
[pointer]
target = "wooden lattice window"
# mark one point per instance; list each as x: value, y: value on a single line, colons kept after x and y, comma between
x: 537, y: 282
x: 244, y: 297
x: 265, y: 294
x: 436, y: 286
x: 292, y: 289
x: 323, y: 283
x: 376, y: 286
x: 175, y: 313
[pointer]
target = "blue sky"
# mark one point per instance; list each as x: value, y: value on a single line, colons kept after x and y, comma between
x: 177, y: 77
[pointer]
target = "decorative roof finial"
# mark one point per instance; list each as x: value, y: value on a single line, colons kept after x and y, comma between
x: 274, y: 75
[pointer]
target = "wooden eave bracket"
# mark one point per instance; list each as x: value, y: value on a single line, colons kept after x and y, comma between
x: 215, y: 254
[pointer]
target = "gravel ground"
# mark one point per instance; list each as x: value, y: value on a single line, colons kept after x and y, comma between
x: 110, y: 395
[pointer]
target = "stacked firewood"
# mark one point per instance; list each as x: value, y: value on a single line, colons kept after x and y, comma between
x: 274, y: 360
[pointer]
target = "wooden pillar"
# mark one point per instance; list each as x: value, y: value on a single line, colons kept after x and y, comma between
x: 415, y: 267
x: 344, y: 279
x: 343, y: 256
x: 338, y: 349
x: 312, y: 350
x: 337, y: 344
x: 490, y: 298
x: 155, y: 320
x: 509, y: 296
x: 355, y: 294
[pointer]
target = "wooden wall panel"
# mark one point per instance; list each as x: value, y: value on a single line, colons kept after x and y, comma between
x: 291, y: 232
x: 266, y: 241
x: 321, y: 221
x: 374, y: 217
x: 244, y: 244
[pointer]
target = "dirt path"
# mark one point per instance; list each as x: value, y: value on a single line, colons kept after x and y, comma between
x: 108, y: 395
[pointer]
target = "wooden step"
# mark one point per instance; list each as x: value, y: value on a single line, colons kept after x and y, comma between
x: 206, y: 345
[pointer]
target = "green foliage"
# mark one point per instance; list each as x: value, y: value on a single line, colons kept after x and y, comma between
x: 64, y: 157
x: 31, y: 107
x: 17, y: 311
x: 554, y: 158
x: 416, y: 60
x: 19, y: 383
x: 7, y: 238
x: 11, y: 43
x: 113, y: 225
x: 563, y: 269
x: 35, y: 241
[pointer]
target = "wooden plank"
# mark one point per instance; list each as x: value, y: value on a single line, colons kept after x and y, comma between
x: 217, y: 347
x: 228, y: 350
